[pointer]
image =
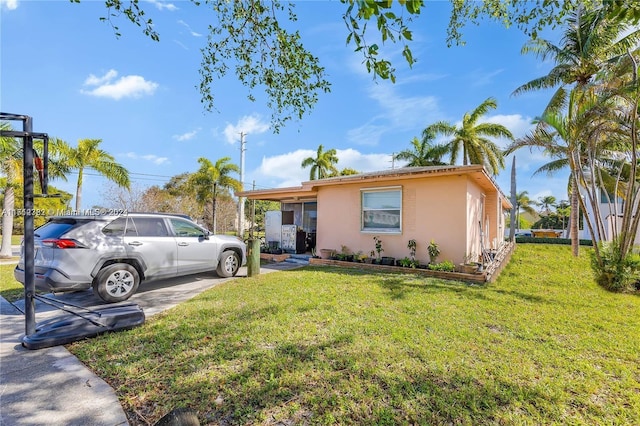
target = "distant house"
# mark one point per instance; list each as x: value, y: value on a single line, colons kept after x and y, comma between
x: 461, y: 208
x: 611, y: 211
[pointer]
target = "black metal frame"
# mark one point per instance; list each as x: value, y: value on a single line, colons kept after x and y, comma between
x: 28, y: 136
x: 59, y: 330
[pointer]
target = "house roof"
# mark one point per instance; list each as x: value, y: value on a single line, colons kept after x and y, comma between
x: 308, y: 190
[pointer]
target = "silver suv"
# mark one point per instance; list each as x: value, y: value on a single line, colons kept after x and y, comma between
x: 113, y: 254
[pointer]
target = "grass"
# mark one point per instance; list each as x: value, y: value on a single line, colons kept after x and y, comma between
x: 15, y: 239
x: 10, y: 289
x: 543, y: 345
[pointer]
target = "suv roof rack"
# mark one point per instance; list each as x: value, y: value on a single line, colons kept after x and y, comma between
x: 185, y: 216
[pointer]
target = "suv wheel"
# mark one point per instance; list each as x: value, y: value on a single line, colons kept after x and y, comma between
x: 229, y: 264
x: 117, y: 282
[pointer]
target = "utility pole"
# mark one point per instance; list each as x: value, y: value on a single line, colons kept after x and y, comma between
x: 253, y: 212
x: 393, y: 160
x: 241, y: 199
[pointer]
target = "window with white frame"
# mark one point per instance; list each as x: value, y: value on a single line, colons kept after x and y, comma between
x: 382, y: 210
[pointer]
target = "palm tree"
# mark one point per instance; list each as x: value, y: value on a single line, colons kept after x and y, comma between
x: 11, y: 167
x: 423, y: 152
x: 565, y: 139
x: 545, y: 203
x: 590, y: 41
x: 564, y: 210
x: 211, y: 179
x: 88, y: 155
x: 472, y: 138
x: 323, y: 165
x: 523, y: 203
x: 348, y: 171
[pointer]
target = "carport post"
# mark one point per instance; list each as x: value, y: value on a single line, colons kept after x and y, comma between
x: 253, y: 257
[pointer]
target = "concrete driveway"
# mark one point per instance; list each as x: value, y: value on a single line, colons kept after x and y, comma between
x: 153, y: 297
x: 52, y: 387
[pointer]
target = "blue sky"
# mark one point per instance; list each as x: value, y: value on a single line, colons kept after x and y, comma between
x: 64, y: 67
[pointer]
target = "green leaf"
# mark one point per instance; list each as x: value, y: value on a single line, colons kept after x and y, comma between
x: 408, y: 56
x: 413, y: 6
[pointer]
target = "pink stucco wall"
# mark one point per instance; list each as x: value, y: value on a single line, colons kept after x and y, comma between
x: 443, y: 208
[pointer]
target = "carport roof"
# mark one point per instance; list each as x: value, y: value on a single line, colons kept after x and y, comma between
x: 308, y: 190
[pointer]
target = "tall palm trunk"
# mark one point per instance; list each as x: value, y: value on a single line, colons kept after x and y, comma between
x: 213, y: 207
x: 512, y: 228
x: 8, y: 206
x: 575, y: 216
x: 79, y: 190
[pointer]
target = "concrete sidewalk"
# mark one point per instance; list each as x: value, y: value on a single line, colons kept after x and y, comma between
x: 52, y: 387
x: 49, y: 386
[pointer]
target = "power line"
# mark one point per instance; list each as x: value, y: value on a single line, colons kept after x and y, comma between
x: 157, y: 178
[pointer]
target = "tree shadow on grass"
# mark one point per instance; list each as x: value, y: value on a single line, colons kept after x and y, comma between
x: 321, y: 383
x: 522, y: 296
x: 399, y: 287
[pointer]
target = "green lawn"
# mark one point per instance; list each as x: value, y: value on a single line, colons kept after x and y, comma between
x: 15, y: 239
x: 543, y: 345
x: 10, y: 289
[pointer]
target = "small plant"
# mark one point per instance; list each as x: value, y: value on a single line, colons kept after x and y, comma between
x: 345, y: 254
x: 379, y: 248
x: 412, y: 249
x: 408, y: 263
x: 434, y: 251
x: 446, y: 266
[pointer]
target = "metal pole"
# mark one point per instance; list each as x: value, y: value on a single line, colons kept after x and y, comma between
x: 253, y: 212
x: 241, y: 199
x: 45, y: 159
x: 29, y: 269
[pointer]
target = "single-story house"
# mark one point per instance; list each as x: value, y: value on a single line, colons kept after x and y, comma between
x: 461, y: 208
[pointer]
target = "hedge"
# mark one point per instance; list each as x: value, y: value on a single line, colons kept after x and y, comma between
x: 539, y: 240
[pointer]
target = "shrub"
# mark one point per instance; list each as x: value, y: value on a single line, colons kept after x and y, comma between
x: 540, y: 240
x: 615, y: 273
x: 433, y: 250
x: 446, y: 266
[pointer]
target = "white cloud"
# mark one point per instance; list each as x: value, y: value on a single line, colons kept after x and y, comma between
x: 181, y: 44
x: 249, y: 125
x: 285, y: 169
x: 186, y: 136
x: 9, y: 4
x: 155, y: 159
x: 483, y: 78
x: 149, y: 157
x: 130, y: 86
x: 92, y: 80
x: 193, y: 33
x: 516, y: 123
x: 398, y: 113
x: 162, y: 5
x: 367, y: 134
